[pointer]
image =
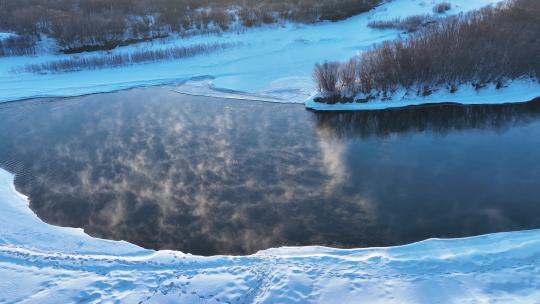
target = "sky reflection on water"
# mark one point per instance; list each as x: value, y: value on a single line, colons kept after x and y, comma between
x: 210, y: 176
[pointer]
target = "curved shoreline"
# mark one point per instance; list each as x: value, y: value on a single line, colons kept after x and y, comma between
x: 7, y: 190
x: 66, y: 261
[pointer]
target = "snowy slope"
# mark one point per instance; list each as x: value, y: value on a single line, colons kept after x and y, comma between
x: 274, y: 61
x: 40, y: 263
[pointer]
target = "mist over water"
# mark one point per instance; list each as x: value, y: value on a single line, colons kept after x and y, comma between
x: 210, y: 176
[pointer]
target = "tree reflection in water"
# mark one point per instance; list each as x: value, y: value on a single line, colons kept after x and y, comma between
x: 441, y: 119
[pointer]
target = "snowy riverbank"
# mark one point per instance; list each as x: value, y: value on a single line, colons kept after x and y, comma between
x: 40, y: 263
x: 274, y: 61
x: 522, y: 90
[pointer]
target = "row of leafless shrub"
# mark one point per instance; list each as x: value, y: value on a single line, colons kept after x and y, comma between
x: 122, y: 59
x: 491, y: 45
x: 17, y: 45
x: 81, y: 23
x: 409, y: 24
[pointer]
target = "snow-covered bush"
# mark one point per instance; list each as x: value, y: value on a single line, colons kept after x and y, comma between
x: 441, y: 8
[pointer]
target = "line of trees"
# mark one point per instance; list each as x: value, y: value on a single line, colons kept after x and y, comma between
x: 490, y: 45
x: 78, y: 23
x: 115, y: 60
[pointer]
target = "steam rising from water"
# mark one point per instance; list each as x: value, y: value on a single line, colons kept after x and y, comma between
x: 208, y: 176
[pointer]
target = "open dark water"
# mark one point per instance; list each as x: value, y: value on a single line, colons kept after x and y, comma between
x: 211, y: 176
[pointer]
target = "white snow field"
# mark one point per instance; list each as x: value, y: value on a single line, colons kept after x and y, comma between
x: 40, y: 263
x: 274, y: 61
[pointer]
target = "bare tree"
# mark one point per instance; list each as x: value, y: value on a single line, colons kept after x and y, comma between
x: 347, y: 75
x: 326, y: 76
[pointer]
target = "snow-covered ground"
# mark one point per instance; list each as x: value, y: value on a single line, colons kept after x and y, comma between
x: 274, y: 61
x: 520, y: 90
x: 40, y: 263
x: 5, y: 35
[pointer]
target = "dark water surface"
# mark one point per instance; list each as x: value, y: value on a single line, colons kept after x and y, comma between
x: 210, y: 176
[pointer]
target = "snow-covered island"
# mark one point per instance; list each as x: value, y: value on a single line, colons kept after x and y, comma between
x: 42, y: 263
x: 485, y: 56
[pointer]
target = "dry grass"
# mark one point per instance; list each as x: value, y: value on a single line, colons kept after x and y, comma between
x: 409, y: 24
x: 116, y: 60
